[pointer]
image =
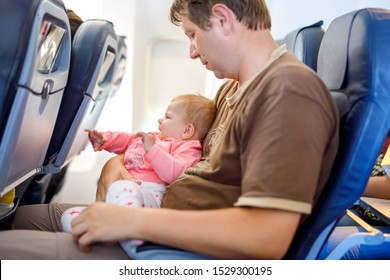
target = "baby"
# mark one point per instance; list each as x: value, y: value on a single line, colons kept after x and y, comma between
x: 154, y: 159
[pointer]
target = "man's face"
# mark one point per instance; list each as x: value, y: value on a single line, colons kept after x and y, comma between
x: 206, y: 45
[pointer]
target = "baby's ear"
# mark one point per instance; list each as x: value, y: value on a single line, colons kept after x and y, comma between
x: 188, y: 132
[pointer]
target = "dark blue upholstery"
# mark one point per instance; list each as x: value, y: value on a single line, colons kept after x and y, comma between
x: 29, y: 97
x: 85, y: 95
x: 19, y: 17
x: 354, y: 62
x: 305, y: 42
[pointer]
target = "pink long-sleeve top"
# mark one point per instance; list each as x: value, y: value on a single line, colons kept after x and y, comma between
x: 165, y: 162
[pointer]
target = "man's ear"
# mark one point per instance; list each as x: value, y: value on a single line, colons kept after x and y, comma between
x: 223, y: 15
x: 188, y: 132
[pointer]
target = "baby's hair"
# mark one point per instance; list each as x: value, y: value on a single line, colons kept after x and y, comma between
x: 200, y: 111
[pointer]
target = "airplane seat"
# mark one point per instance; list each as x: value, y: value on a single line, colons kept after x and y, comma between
x: 94, y: 49
x: 58, y: 179
x: 305, y: 43
x: 34, y: 67
x: 89, y: 83
x: 354, y: 63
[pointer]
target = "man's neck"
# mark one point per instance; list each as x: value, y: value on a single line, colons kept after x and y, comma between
x: 256, y: 51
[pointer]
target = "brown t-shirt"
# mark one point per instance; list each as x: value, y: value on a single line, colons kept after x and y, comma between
x: 272, y: 144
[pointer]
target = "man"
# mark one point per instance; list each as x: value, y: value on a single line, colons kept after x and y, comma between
x: 266, y: 157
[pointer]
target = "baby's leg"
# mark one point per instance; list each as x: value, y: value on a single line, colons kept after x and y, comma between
x: 130, y: 194
x: 68, y: 216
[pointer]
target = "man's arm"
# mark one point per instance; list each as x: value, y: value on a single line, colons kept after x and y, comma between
x: 232, y: 233
x: 378, y: 187
x: 112, y: 171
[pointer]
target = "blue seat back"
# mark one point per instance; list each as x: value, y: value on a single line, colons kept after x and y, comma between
x: 94, y: 49
x: 34, y: 68
x: 305, y: 43
x: 354, y: 62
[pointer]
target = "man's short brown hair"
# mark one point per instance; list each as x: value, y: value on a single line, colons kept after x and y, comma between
x: 254, y: 13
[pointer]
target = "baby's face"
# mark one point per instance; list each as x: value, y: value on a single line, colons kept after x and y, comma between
x: 172, y: 125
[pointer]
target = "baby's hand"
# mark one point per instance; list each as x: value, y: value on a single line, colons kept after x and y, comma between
x: 149, y: 141
x: 97, y: 138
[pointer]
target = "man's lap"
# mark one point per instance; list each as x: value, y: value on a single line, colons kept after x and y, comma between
x: 44, y: 217
x: 42, y: 245
x: 37, y: 234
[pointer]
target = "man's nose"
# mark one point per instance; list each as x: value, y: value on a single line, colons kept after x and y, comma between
x: 193, y: 51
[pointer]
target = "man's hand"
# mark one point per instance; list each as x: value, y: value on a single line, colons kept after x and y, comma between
x: 101, y: 222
